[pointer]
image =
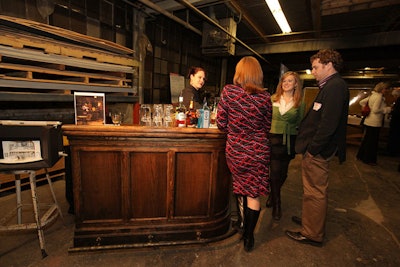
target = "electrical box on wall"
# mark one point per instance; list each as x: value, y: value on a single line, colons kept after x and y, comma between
x: 217, y: 42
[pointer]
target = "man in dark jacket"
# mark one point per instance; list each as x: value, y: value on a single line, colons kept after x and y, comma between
x: 321, y: 136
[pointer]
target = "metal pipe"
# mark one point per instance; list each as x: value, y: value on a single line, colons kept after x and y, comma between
x: 170, y: 15
x: 212, y: 22
x: 204, y: 16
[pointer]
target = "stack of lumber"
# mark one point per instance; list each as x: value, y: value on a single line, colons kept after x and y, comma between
x: 36, y: 56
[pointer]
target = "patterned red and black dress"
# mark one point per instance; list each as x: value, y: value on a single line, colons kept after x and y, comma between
x: 247, y: 120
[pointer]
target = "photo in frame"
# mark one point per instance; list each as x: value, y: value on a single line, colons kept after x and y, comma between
x: 89, y: 108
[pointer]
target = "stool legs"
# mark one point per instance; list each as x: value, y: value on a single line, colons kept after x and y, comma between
x: 19, y: 200
x: 54, y: 195
x: 49, y: 216
x: 35, y: 202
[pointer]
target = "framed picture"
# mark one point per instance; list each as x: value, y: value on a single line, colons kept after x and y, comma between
x: 89, y: 108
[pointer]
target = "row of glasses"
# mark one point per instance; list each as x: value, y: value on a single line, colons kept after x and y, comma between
x: 157, y: 115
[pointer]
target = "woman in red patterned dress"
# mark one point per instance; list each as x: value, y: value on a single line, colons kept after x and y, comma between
x: 244, y: 113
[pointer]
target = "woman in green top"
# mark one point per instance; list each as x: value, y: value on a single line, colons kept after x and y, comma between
x: 287, y: 112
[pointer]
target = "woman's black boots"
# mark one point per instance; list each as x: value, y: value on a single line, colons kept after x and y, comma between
x: 268, y: 204
x: 274, y: 199
x: 250, y: 222
x: 276, y: 202
x: 279, y: 169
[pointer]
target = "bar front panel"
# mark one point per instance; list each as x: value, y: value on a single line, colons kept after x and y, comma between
x: 143, y: 186
x: 148, y: 176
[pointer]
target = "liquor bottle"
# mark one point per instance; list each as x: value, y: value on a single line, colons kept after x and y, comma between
x: 108, y: 118
x: 206, y: 114
x: 180, y: 113
x: 213, y: 116
x: 191, y: 117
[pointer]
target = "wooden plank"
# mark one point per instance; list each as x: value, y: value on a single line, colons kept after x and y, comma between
x: 50, y: 46
x: 331, y: 7
x: 35, y: 97
x: 45, y: 85
x: 39, y: 56
x: 87, y: 77
x: 65, y: 82
x: 61, y: 97
x: 64, y: 34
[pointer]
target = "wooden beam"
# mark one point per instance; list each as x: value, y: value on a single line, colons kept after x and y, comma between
x: 331, y: 7
x: 58, y: 59
x: 247, y: 18
x: 316, y: 17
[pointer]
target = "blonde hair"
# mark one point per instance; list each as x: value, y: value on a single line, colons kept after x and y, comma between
x: 249, y: 75
x: 396, y: 91
x: 298, y: 89
x: 381, y: 86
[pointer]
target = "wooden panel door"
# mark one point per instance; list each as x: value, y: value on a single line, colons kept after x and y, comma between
x: 192, y: 183
x: 148, y: 174
x: 101, y: 190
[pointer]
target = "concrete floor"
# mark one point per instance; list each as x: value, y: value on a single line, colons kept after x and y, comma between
x: 363, y: 229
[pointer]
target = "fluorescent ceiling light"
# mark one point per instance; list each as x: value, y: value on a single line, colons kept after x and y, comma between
x: 280, y: 18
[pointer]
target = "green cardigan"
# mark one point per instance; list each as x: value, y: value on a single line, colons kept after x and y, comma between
x: 287, y: 123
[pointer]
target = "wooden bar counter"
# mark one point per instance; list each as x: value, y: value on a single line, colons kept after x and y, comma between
x: 146, y: 186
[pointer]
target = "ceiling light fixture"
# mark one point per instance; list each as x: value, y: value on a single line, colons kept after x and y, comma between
x: 279, y: 16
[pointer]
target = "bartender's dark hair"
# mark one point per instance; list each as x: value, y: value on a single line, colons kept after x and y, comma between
x: 329, y: 55
x: 194, y: 70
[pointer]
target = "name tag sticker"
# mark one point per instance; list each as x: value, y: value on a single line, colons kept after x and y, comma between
x: 317, y: 106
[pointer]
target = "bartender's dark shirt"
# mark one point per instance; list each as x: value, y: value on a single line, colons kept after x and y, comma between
x: 190, y: 92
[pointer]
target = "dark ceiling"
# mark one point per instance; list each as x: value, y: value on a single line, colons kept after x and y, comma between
x: 366, y: 32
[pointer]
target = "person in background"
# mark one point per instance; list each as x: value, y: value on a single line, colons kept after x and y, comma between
x: 287, y: 113
x: 368, y: 150
x: 197, y: 78
x: 321, y: 136
x: 393, y: 146
x: 244, y: 113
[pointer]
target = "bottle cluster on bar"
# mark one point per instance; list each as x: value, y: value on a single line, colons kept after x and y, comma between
x: 166, y: 115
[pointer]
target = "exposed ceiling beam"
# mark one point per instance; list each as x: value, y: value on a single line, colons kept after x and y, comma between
x: 316, y: 17
x: 331, y: 7
x: 372, y: 40
x: 170, y: 15
x: 172, y: 5
x: 247, y: 19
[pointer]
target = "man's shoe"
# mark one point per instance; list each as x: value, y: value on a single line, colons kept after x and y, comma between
x: 297, y: 236
x: 296, y: 220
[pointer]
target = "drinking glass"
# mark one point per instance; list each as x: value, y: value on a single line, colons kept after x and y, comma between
x: 145, y: 115
x: 116, y: 118
x: 169, y: 115
x: 158, y: 115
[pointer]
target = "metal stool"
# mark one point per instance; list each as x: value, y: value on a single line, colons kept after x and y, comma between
x: 40, y: 221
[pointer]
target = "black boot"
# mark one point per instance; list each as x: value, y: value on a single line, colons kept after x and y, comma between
x: 268, y: 204
x: 250, y: 222
x: 276, y: 199
x: 276, y: 204
x: 276, y: 213
x: 241, y: 203
x: 279, y: 169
